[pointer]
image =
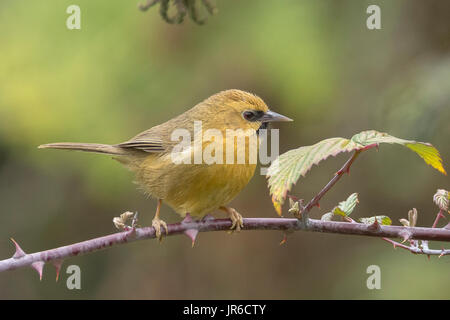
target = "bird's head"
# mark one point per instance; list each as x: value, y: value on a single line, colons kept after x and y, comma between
x: 239, y: 109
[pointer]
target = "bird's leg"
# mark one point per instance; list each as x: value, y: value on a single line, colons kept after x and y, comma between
x: 236, y: 218
x: 157, y: 222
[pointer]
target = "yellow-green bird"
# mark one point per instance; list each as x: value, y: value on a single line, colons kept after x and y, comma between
x: 173, y: 173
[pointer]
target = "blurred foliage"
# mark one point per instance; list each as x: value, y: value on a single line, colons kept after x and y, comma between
x: 182, y: 7
x: 125, y: 71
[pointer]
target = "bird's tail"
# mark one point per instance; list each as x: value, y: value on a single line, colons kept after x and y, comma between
x: 87, y: 147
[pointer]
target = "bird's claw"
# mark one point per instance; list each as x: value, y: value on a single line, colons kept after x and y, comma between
x: 236, y: 219
x: 157, y: 223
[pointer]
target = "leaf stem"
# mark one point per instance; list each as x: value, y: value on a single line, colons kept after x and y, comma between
x: 438, y: 216
x: 345, y: 168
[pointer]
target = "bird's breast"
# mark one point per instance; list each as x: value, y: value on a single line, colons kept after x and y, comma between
x: 200, y: 189
x: 198, y: 184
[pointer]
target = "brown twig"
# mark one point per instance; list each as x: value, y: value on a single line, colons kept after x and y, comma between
x: 439, y: 215
x: 345, y: 168
x: 417, y: 250
x: 414, y: 245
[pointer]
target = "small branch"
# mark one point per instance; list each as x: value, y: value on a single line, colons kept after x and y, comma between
x: 417, y: 250
x: 438, y: 216
x: 56, y: 256
x: 345, y: 169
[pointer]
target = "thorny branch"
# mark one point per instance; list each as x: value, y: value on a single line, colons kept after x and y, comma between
x: 418, y: 249
x: 55, y: 256
x: 191, y: 228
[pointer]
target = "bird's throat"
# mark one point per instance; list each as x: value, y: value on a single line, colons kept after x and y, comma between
x: 263, y: 125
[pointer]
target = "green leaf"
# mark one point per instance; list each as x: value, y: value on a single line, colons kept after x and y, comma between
x: 327, y: 216
x: 383, y: 220
x: 346, y: 207
x: 288, y: 167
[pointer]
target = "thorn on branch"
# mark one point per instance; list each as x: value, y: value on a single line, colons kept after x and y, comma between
x: 374, y: 226
x: 192, y: 232
x: 284, y: 240
x: 187, y: 219
x: 57, y: 264
x: 39, y: 267
x: 342, y: 171
x: 391, y: 242
x: 19, y: 253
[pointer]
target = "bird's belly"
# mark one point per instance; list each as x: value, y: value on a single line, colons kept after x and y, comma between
x: 207, y: 187
x: 197, y: 189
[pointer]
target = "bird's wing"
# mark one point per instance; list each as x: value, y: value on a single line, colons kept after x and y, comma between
x: 145, y: 142
x: 158, y: 138
x: 144, y: 145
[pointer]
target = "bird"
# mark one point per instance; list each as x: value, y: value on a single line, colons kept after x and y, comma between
x: 169, y: 172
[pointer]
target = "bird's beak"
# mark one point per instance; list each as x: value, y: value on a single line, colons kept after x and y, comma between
x: 271, y: 116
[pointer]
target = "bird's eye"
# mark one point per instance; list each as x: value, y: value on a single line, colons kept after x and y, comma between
x: 249, y: 115
x: 252, y: 115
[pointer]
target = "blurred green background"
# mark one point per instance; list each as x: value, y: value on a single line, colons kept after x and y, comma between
x: 126, y: 70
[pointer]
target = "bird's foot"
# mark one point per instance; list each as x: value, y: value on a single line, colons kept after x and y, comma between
x: 237, y: 220
x: 157, y: 223
x: 235, y: 217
